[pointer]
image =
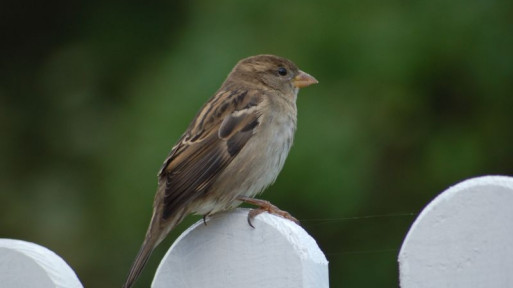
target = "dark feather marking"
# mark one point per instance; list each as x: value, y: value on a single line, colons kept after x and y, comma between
x: 221, y: 109
x: 237, y: 141
x: 252, y: 102
x: 239, y: 98
x: 251, y: 125
x: 195, y: 137
x: 233, y: 93
x: 212, y: 103
x: 228, y: 125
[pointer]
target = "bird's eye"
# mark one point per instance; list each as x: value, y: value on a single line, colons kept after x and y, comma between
x: 282, y: 71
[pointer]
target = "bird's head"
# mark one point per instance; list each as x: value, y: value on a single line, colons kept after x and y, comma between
x: 271, y: 72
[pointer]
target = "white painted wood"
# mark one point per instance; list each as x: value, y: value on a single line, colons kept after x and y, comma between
x: 463, y: 238
x: 227, y: 252
x: 28, y: 265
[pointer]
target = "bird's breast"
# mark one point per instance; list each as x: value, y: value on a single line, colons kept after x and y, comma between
x: 263, y: 158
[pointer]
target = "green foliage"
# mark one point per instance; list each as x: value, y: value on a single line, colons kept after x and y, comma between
x: 413, y: 97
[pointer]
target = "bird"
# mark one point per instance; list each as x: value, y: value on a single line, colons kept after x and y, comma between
x: 232, y: 150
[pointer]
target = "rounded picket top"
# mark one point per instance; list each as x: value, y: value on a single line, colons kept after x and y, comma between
x: 28, y: 265
x: 463, y: 238
x: 227, y: 252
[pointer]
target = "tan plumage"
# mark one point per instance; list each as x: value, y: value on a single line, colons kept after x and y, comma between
x: 232, y: 150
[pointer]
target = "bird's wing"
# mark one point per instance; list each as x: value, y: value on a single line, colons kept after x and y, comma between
x: 212, y: 141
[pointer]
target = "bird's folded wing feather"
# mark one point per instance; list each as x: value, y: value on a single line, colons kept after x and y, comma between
x: 212, y: 141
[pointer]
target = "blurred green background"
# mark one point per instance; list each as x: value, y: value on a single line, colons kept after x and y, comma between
x: 414, y: 96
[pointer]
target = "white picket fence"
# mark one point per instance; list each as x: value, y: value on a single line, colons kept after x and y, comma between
x: 463, y: 238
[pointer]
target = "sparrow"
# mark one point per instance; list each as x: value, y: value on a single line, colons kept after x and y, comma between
x: 232, y: 150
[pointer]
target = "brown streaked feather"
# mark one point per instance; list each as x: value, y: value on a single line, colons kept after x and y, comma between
x: 194, y: 174
x: 204, y: 152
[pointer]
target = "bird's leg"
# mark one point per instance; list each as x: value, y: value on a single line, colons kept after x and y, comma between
x: 264, y: 206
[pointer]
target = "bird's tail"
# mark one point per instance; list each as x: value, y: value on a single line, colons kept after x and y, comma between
x: 158, y: 230
x: 140, y: 261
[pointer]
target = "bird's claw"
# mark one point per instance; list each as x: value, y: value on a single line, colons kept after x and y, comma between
x: 205, y: 219
x: 265, y: 206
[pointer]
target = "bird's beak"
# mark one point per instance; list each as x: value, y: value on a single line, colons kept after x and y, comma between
x: 303, y: 79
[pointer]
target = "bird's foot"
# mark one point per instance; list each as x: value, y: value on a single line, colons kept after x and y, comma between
x: 264, y: 206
